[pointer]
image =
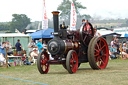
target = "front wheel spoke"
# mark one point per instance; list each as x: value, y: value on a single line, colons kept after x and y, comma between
x: 42, y: 61
x: 71, y: 62
x: 46, y: 66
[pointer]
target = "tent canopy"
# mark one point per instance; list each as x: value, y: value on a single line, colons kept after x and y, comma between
x: 107, y: 33
x: 13, y: 35
x: 44, y: 33
x: 124, y: 35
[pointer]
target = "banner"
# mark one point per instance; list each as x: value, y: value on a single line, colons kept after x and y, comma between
x: 45, y: 19
x: 73, y: 17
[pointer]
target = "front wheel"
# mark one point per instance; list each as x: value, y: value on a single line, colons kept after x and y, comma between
x: 42, y: 64
x: 72, y: 61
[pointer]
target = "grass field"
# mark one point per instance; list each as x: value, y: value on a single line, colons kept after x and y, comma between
x: 116, y: 73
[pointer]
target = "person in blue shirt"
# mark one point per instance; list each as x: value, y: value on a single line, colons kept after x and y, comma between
x: 40, y: 45
x: 113, y: 52
x: 2, y: 48
x: 18, y: 47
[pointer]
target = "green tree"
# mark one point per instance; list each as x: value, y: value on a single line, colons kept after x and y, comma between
x: 19, y: 21
x: 4, y: 26
x: 65, y: 8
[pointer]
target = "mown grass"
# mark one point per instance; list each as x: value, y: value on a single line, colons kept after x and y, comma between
x: 116, y: 73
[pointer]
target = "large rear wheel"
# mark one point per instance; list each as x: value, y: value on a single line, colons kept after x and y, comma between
x: 42, y: 64
x: 72, y: 61
x: 98, y: 53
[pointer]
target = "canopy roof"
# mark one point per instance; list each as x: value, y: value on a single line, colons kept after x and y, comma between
x: 44, y: 33
x: 124, y: 35
x: 107, y: 33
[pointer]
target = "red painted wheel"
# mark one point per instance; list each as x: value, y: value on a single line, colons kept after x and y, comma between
x: 72, y: 61
x: 98, y: 53
x: 42, y: 64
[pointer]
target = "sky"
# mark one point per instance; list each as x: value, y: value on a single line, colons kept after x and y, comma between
x: 103, y: 9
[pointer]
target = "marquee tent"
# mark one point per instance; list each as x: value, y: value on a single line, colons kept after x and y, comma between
x: 44, y: 33
x: 124, y: 35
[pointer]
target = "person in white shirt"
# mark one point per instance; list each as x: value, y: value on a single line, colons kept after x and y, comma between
x: 9, y: 48
x: 2, y: 59
x: 31, y: 45
x: 97, y: 34
x: 34, y: 55
x: 44, y: 45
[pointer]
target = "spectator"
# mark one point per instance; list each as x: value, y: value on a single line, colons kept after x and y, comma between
x: 124, y: 49
x: 44, y: 45
x: 96, y: 33
x: 18, y: 47
x: 113, y: 52
x: 25, y: 60
x: 9, y: 48
x: 116, y: 43
x: 31, y: 45
x: 2, y: 58
x: 83, y: 21
x: 34, y: 55
x: 40, y: 45
x: 2, y: 48
x: 112, y: 42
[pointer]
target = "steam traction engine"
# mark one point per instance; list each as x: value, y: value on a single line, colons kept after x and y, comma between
x: 71, y: 48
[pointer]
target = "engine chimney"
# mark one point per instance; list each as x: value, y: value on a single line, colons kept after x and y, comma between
x: 56, y: 20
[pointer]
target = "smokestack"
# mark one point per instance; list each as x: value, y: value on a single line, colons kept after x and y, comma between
x: 56, y: 20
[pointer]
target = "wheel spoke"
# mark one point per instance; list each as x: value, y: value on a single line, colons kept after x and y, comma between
x: 100, y: 43
x: 97, y: 50
x: 96, y: 54
x: 97, y: 58
x: 102, y: 61
x: 102, y: 47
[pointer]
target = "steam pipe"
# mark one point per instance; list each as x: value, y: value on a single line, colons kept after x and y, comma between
x: 56, y: 20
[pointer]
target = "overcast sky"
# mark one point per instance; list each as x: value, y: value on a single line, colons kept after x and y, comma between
x: 33, y: 8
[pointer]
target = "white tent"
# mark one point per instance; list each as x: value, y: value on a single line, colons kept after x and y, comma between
x: 13, y: 35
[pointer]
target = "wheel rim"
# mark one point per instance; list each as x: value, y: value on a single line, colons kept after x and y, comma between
x: 101, y: 53
x: 44, y: 64
x: 74, y: 62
